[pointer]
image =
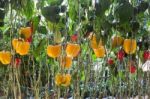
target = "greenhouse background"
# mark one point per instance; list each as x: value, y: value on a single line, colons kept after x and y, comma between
x: 74, y: 49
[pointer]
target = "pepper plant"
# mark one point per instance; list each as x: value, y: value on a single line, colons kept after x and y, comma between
x: 74, y: 48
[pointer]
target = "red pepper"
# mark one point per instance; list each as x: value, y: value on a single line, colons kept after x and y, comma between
x: 74, y: 37
x: 146, y: 55
x: 132, y: 69
x: 17, y: 62
x: 120, y: 55
x: 110, y: 61
x: 29, y: 39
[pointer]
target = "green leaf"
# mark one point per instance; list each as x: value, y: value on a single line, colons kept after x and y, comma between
x: 55, y: 2
x: 28, y: 10
x: 35, y: 22
x: 124, y: 11
x: 39, y: 48
x: 105, y: 4
x: 51, y: 13
x: 82, y: 76
x: 73, y: 9
x: 42, y: 29
x: 56, y: 26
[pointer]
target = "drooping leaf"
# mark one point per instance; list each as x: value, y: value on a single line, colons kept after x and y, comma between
x: 39, y: 48
x: 35, y: 22
x: 55, y: 2
x: 124, y: 12
x: 42, y: 29
x: 51, y: 13
x: 56, y: 26
x: 73, y: 10
x: 57, y: 37
x: 28, y: 10
x: 101, y: 7
x: 142, y: 6
x: 82, y: 76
